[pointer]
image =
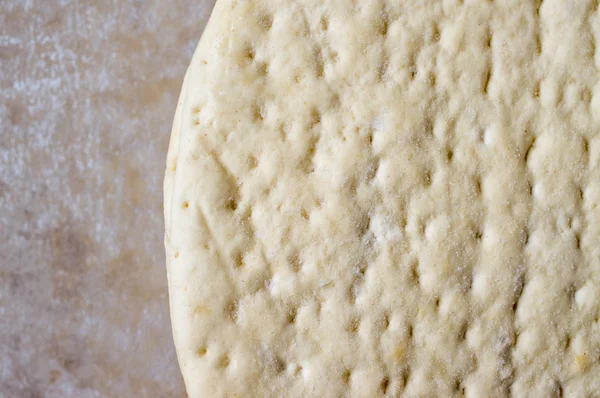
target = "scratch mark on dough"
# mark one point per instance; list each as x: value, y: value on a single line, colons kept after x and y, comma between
x: 221, y: 258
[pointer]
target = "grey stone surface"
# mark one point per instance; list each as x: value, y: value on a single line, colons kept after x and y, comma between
x: 87, y: 95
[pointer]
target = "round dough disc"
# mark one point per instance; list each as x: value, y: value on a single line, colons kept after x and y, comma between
x: 385, y: 198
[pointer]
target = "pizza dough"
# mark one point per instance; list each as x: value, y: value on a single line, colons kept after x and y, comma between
x: 385, y: 198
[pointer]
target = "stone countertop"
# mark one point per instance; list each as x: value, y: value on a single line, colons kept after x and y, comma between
x: 87, y: 94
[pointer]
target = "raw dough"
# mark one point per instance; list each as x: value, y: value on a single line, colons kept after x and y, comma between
x: 385, y: 198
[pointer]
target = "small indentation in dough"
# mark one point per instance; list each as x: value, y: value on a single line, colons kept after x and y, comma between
x: 347, y: 376
x: 479, y: 135
x: 318, y: 305
x: 536, y: 90
x: 333, y: 56
x: 266, y: 21
x: 538, y: 7
x: 295, y: 369
x: 361, y: 270
x: 427, y: 127
x: 224, y: 361
x: 353, y: 325
x: 291, y: 315
x: 283, y: 131
x: 319, y: 63
x: 231, y: 311
x: 487, y: 77
x: 334, y: 101
x: 435, y: 33
x: 462, y: 332
x: 176, y: 255
x: 268, y: 284
x: 252, y: 162
x: 278, y: 365
x: 249, y: 53
x: 238, y: 260
x: 427, y: 178
x: 449, y: 155
x: 412, y: 73
x: 519, y: 288
x: 422, y: 227
x: 432, y: 79
x: 458, y: 387
x: 410, y: 332
x: 529, y: 149
x: 304, y: 214
x: 257, y: 114
x: 436, y: 303
x: 586, y: 96
x: 231, y: 204
x: 559, y: 389
x: 201, y: 351
x: 186, y: 205
x: 307, y: 161
x: 293, y: 260
x: 405, y: 377
x: 315, y: 117
x: 466, y: 282
x: 569, y: 222
x: 370, y: 137
x: 478, y: 185
x: 201, y: 310
x: 570, y: 291
x: 402, y: 222
x: 585, y: 146
x: 525, y: 238
x: 414, y: 272
x: 262, y: 68
x: 372, y: 169
x: 363, y: 221
x: 385, y: 385
x: 387, y: 319
x: 538, y: 44
x: 324, y: 23
x: 382, y: 24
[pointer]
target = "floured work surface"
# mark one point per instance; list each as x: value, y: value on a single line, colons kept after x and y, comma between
x: 388, y: 198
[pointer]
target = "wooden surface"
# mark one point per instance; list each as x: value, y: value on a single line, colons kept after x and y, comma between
x: 87, y: 95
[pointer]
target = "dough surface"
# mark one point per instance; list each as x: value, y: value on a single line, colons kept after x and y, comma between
x: 388, y: 198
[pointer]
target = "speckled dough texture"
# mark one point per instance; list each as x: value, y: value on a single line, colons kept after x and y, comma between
x: 388, y: 198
